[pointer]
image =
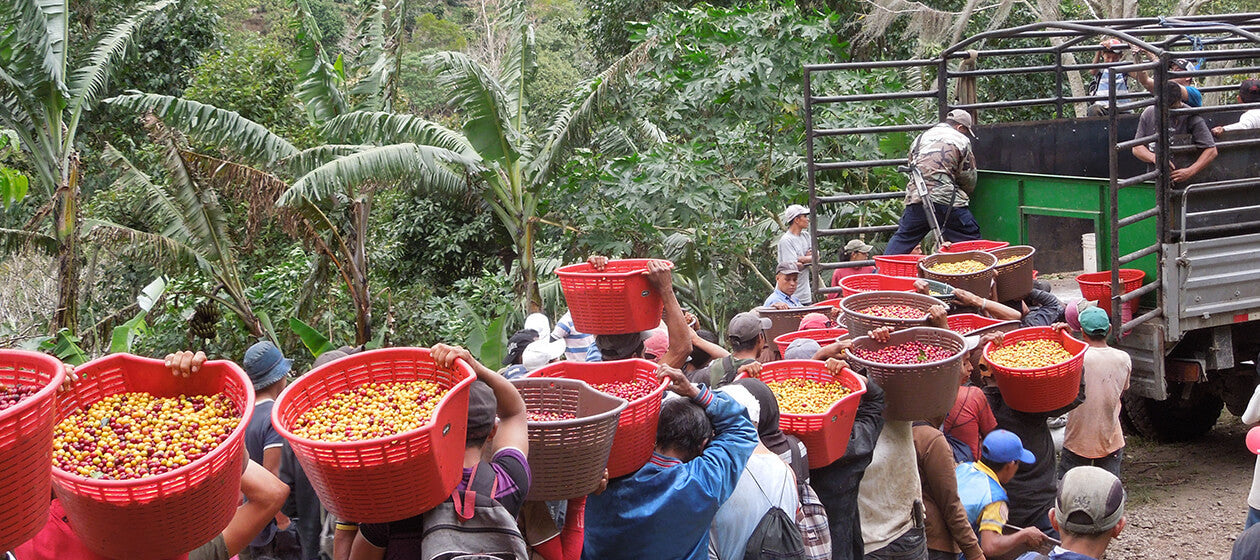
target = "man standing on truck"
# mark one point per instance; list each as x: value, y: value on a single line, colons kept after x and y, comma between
x: 1112, y: 51
x: 1194, y: 125
x: 941, y: 158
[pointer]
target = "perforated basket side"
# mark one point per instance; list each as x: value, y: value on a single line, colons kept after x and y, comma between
x: 858, y: 322
x: 567, y: 457
x: 1014, y: 279
x: 974, y: 282
x: 168, y: 514
x: 26, y: 432
x: 825, y: 435
x: 616, y: 300
x: 915, y: 391
x: 360, y: 480
x: 1040, y: 389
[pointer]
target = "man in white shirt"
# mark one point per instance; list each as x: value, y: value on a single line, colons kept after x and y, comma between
x: 797, y: 249
x: 1248, y: 92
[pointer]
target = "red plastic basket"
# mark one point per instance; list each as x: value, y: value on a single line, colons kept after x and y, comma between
x: 26, y: 432
x: 1040, y: 389
x: 976, y: 245
x: 636, y: 429
x: 823, y: 336
x: 833, y: 302
x: 1096, y: 286
x: 171, y: 513
x: 825, y: 435
x: 899, y: 265
x: 390, y: 478
x: 970, y: 323
x: 617, y: 300
x: 859, y: 283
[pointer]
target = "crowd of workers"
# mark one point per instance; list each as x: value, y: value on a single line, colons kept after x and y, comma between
x: 724, y: 481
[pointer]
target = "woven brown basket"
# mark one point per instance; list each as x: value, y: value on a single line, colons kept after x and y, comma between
x: 567, y: 457
x: 783, y: 321
x: 915, y: 391
x: 1015, y: 278
x: 860, y: 323
x: 975, y: 282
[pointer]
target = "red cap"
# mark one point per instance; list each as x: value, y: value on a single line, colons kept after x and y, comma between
x: 656, y: 345
x: 813, y: 321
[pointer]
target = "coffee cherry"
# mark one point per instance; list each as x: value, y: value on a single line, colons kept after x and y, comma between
x: 961, y: 267
x: 371, y: 410
x: 549, y: 416
x: 806, y: 396
x: 11, y: 396
x: 137, y: 435
x: 906, y: 353
x: 629, y: 390
x: 894, y: 312
x: 1010, y: 259
x: 1029, y: 354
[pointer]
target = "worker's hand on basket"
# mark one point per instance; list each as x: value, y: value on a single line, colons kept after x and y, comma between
x: 597, y: 262
x: 833, y: 314
x: 71, y: 377
x: 603, y: 484
x: 996, y: 337
x: 834, y: 365
x: 659, y: 275
x: 780, y: 306
x: 881, y: 334
x: 444, y: 355
x: 921, y: 286
x: 967, y: 299
x: 185, y: 363
x: 678, y: 381
x: 834, y: 350
x: 751, y: 369
x: 938, y: 316
x: 1062, y: 327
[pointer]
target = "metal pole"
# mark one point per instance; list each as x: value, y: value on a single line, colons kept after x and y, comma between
x: 1058, y: 83
x: 814, y: 274
x: 1113, y: 203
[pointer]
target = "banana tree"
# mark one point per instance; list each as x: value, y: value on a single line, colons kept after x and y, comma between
x: 42, y: 100
x: 512, y: 160
x: 193, y: 228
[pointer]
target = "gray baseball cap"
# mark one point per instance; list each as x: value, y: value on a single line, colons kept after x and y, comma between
x: 962, y: 117
x: 1091, y: 501
x: 746, y: 326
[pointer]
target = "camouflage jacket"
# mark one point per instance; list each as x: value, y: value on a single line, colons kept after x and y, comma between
x: 944, y: 158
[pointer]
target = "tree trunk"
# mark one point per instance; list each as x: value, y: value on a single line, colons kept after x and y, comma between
x: 529, y: 274
x: 359, y: 292
x: 66, y: 230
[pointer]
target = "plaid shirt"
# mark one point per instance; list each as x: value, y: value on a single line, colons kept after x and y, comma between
x: 813, y: 523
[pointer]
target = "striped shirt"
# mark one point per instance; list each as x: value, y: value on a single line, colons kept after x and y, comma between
x: 578, y: 346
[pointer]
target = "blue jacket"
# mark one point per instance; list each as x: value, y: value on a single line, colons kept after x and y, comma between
x: 664, y: 510
x: 777, y: 296
x: 976, y: 490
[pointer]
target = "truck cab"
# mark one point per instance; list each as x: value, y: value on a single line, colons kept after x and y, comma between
x: 1051, y: 178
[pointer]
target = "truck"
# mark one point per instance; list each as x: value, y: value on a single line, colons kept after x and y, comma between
x: 1047, y: 177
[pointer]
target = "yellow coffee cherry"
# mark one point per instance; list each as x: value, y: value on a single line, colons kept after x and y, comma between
x: 805, y: 396
x: 961, y: 267
x: 1030, y: 354
x: 371, y: 410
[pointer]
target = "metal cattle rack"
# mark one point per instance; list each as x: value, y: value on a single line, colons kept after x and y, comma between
x: 1234, y: 42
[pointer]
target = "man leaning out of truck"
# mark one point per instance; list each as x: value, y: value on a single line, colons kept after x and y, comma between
x: 1194, y: 125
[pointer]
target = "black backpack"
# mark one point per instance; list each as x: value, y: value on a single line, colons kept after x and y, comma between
x: 776, y: 537
x: 472, y: 523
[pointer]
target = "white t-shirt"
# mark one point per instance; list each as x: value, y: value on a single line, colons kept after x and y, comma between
x: 1250, y: 417
x: 890, y: 487
x: 792, y: 247
x: 1248, y: 120
x: 739, y: 515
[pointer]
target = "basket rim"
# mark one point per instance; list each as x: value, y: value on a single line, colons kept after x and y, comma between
x: 582, y: 386
x: 815, y: 364
x: 967, y: 242
x: 912, y: 295
x: 460, y: 366
x: 980, y: 257
x: 805, y: 309
x: 1138, y: 273
x: 58, y: 377
x: 1047, y: 333
x: 999, y: 253
x: 899, y: 258
x: 585, y: 270
x: 905, y: 332
x: 541, y: 372
x: 783, y: 338
x: 247, y: 413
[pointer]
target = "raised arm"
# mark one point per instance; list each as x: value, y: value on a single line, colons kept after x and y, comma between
x: 512, y: 431
x: 675, y: 323
x: 264, y: 496
x: 734, y: 437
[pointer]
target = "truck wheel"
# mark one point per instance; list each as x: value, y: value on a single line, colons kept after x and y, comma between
x: 1173, y: 419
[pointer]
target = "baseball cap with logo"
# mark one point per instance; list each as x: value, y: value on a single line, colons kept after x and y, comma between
x: 1182, y: 64
x: 1094, y: 321
x: 1090, y: 501
x: 1002, y: 446
x: 1249, y: 91
x: 746, y: 326
x: 516, y: 345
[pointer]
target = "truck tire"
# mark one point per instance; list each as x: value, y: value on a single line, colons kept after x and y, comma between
x: 1173, y: 419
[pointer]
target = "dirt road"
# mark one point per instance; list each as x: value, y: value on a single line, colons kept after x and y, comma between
x: 1186, y: 500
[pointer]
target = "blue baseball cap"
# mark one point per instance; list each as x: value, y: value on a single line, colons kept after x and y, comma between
x: 1001, y: 446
